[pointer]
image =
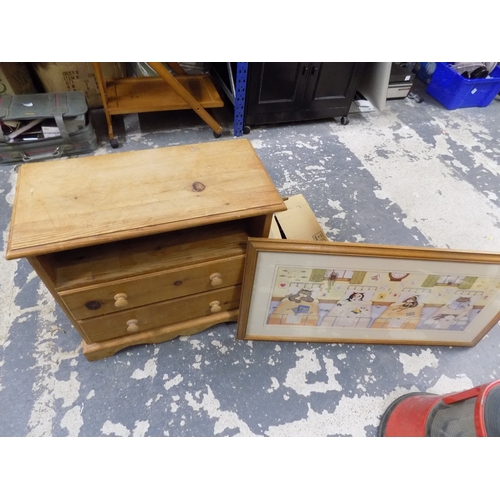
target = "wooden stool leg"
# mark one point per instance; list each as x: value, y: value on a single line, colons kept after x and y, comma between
x: 193, y: 103
x: 104, y: 97
x: 177, y: 68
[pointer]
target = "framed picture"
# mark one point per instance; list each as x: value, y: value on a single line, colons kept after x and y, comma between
x: 345, y: 292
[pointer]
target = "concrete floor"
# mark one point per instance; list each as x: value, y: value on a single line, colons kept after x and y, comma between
x: 414, y: 174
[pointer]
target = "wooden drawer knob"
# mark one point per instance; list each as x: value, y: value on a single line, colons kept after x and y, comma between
x: 121, y: 300
x: 215, y: 306
x: 215, y: 279
x: 132, y: 326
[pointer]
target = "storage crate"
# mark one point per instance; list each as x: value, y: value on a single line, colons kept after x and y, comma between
x: 454, y: 91
x: 424, y: 71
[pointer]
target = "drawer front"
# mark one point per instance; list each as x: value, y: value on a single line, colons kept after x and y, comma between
x: 161, y: 314
x: 119, y: 295
x: 100, y: 264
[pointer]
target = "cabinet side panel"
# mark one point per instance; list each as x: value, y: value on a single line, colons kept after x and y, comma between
x: 259, y: 227
x: 375, y: 82
x: 37, y: 263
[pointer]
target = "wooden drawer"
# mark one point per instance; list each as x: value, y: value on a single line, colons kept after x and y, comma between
x: 102, y: 264
x: 160, y: 314
x: 92, y: 301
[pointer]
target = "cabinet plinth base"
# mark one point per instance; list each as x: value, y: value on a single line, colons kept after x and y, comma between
x: 101, y: 350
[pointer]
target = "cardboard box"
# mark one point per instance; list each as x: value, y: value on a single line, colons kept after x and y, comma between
x: 298, y: 222
x: 66, y: 76
x: 15, y: 79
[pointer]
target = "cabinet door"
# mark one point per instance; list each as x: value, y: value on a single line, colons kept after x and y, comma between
x: 331, y: 87
x: 275, y: 91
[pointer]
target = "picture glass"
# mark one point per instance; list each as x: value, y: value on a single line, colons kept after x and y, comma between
x: 353, y: 297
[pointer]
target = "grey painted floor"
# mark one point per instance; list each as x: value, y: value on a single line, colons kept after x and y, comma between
x: 414, y: 174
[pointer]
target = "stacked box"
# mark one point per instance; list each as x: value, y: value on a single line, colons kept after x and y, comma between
x: 15, y: 79
x: 80, y: 76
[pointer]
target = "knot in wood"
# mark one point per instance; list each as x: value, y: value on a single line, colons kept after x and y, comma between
x: 93, y: 305
x: 198, y: 186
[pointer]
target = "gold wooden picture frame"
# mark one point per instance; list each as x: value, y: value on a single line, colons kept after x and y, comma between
x: 358, y: 293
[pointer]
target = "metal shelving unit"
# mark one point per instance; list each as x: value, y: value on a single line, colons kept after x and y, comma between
x: 232, y: 78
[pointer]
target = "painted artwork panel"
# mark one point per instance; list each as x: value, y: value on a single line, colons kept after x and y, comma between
x: 371, y: 299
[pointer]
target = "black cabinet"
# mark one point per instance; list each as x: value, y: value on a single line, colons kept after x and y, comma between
x: 287, y: 92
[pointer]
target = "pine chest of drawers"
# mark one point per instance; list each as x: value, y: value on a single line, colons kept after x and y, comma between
x: 140, y: 247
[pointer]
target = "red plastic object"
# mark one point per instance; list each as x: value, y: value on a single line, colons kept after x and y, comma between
x: 474, y: 412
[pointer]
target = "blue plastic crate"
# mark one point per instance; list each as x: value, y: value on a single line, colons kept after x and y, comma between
x: 454, y: 91
x: 424, y: 71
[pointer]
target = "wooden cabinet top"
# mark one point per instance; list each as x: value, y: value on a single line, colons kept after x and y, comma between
x: 77, y: 202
